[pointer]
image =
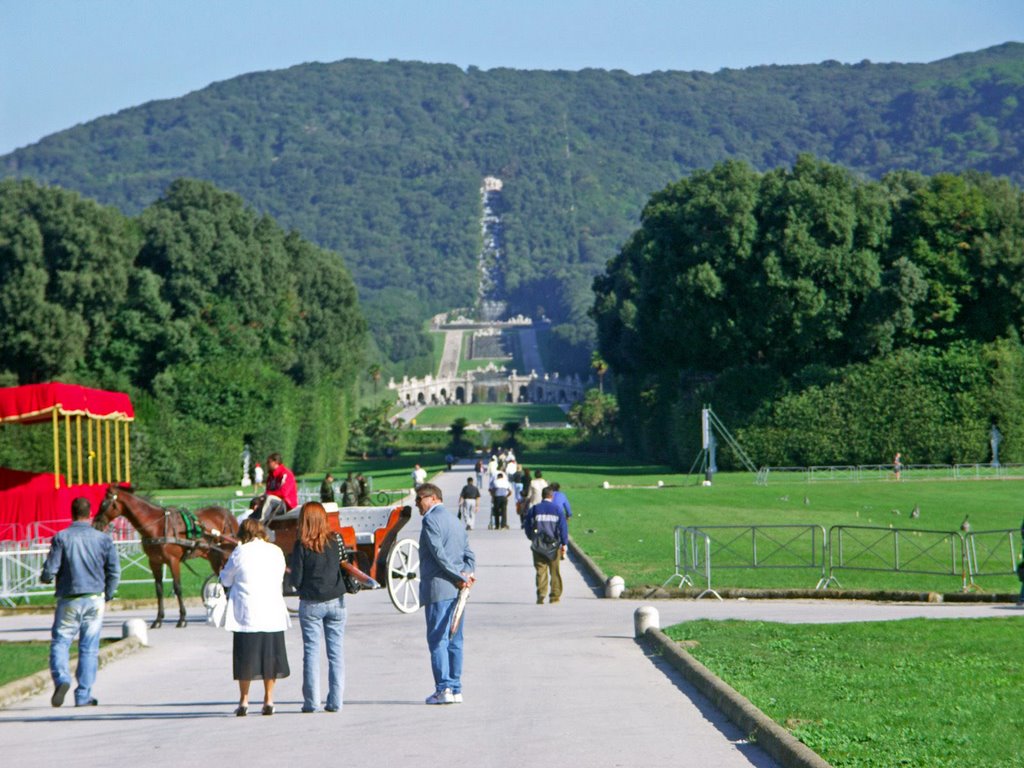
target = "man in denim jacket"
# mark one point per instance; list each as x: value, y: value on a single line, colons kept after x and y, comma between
x: 88, y: 569
x: 446, y: 566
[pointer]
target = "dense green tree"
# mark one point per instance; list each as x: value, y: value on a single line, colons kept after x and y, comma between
x: 752, y: 289
x: 223, y: 327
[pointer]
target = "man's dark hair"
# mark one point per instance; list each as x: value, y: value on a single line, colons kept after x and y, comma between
x: 554, y: 486
x: 538, y: 473
x: 275, y: 457
x: 547, y: 492
x: 81, y: 509
x: 469, y: 481
x: 429, y: 489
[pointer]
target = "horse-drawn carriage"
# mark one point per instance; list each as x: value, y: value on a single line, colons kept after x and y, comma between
x: 370, y: 534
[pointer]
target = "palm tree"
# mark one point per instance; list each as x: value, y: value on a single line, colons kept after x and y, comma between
x: 374, y: 371
x: 600, y: 367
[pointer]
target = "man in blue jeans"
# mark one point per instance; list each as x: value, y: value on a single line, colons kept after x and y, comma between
x: 446, y: 566
x: 88, y: 569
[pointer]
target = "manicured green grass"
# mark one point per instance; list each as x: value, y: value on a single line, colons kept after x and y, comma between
x: 922, y: 692
x: 18, y: 660
x: 629, y: 530
x: 498, y: 413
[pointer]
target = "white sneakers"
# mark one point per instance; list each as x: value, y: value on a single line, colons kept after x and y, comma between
x: 441, y: 697
x: 444, y: 697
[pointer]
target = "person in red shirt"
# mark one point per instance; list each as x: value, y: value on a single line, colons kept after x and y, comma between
x: 281, y: 489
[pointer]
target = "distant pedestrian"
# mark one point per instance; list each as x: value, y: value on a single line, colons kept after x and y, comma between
x: 257, y: 477
x: 349, y: 491
x: 548, y: 533
x: 501, y: 490
x: 469, y: 503
x: 419, y: 476
x: 897, y: 465
x: 479, y: 470
x: 87, y: 568
x: 561, y: 500
x: 362, y: 491
x: 327, y: 489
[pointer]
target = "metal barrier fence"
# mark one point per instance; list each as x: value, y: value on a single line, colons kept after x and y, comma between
x: 699, y: 549
x: 894, y: 550
x: 993, y: 553
x: 866, y: 472
x: 21, y: 564
x: 746, y: 547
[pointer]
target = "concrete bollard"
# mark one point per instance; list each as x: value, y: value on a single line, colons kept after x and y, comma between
x: 614, y: 587
x: 135, y: 628
x: 645, y: 617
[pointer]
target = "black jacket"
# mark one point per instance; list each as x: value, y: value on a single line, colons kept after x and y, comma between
x: 317, y: 575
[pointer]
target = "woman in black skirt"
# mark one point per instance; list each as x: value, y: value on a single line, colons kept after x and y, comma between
x: 256, y: 614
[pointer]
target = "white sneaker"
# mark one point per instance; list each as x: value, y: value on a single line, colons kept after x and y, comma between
x: 456, y: 698
x: 440, y: 697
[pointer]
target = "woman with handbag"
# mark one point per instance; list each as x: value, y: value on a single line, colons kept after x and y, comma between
x: 317, y: 575
x: 256, y: 613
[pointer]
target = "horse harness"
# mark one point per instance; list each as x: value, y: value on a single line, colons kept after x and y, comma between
x: 196, y: 535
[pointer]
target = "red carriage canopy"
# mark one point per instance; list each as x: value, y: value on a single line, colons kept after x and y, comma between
x: 33, y: 403
x: 38, y: 504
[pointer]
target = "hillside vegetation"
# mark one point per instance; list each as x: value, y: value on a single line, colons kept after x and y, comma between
x: 382, y: 162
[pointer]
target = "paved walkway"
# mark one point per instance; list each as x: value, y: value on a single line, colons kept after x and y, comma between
x: 566, y: 683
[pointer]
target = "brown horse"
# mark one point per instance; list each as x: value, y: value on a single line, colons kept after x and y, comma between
x: 165, y: 539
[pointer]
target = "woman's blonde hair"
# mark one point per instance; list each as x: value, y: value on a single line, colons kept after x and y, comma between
x: 250, y: 529
x: 313, y: 528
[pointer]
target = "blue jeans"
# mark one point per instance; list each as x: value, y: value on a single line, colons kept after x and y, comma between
x: 328, y: 616
x: 81, y: 619
x: 445, y: 653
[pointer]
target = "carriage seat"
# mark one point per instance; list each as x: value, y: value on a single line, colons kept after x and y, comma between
x: 365, y: 520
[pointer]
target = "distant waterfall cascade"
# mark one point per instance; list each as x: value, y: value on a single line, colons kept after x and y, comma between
x: 491, y: 301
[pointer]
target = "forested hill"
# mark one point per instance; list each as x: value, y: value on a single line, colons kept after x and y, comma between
x: 383, y: 162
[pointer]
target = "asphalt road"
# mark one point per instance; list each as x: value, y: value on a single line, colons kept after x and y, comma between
x: 564, y: 683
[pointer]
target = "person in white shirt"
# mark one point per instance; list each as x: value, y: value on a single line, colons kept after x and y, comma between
x: 501, y: 489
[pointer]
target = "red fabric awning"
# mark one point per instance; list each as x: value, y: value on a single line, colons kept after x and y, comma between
x: 31, y: 507
x: 36, y: 402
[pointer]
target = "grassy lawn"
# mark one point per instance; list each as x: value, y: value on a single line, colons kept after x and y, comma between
x: 18, y: 660
x: 920, y: 692
x: 498, y: 413
x: 629, y: 530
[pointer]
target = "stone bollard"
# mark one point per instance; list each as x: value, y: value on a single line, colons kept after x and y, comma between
x: 614, y: 586
x: 645, y: 617
x: 135, y: 628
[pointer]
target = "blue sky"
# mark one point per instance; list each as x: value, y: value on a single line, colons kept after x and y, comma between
x: 69, y: 61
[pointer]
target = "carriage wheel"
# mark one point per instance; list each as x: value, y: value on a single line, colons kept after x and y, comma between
x: 404, y: 575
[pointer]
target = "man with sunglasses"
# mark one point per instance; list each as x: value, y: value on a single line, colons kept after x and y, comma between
x: 446, y: 566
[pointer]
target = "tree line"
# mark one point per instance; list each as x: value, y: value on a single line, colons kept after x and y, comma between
x: 225, y: 328
x: 828, y: 318
x: 382, y: 161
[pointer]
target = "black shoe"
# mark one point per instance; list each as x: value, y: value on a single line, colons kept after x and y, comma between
x: 268, y: 709
x: 59, y: 693
x: 89, y: 703
x: 242, y: 710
